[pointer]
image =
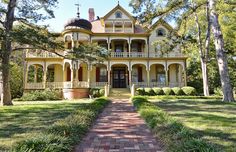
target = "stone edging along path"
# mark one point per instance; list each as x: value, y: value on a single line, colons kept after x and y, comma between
x: 119, y: 129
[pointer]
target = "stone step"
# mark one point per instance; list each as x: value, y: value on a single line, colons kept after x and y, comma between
x: 120, y: 93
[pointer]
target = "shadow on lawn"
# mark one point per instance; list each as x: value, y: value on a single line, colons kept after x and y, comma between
x: 29, y: 118
x: 213, y: 120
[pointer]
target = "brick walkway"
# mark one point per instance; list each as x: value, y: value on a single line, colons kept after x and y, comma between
x: 119, y: 129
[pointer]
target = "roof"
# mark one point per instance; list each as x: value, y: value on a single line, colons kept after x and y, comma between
x: 120, y: 8
x: 163, y: 23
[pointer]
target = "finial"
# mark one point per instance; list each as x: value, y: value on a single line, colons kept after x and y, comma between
x: 78, y: 12
x: 118, y: 2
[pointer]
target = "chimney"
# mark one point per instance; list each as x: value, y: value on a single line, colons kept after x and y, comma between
x: 91, y: 14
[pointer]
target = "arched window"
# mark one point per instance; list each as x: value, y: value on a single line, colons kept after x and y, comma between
x: 160, y: 32
x: 118, y: 15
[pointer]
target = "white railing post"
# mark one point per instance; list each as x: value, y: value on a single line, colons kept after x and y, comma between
x: 106, y: 91
x: 133, y: 90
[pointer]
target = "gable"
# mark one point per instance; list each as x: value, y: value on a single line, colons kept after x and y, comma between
x: 112, y: 14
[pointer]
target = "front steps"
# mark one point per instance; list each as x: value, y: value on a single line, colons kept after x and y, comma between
x: 120, y: 93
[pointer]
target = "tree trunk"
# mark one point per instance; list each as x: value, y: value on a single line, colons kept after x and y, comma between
x: 220, y: 54
x: 6, y: 52
x: 6, y: 98
x: 202, y: 57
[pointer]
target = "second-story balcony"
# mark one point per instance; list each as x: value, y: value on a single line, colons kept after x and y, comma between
x: 44, y: 54
x: 144, y: 55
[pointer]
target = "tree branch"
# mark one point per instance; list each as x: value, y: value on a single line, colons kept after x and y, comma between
x: 34, y: 48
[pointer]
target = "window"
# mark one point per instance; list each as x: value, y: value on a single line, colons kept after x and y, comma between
x: 118, y: 15
x: 119, y: 48
x: 160, y: 32
x: 103, y: 75
x: 161, y: 78
x: 135, y: 75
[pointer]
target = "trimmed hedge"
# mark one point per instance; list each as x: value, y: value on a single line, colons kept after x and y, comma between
x: 174, y: 135
x: 168, y: 91
x: 158, y: 91
x: 64, y: 134
x: 41, y: 95
x: 97, y: 92
x: 189, y: 91
x: 178, y: 91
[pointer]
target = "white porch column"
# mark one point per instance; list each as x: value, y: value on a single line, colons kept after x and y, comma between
x: 44, y: 75
x: 72, y: 76
x: 88, y: 74
x: 130, y: 77
x: 148, y: 77
x: 130, y: 41
x: 167, y: 76
x: 109, y: 77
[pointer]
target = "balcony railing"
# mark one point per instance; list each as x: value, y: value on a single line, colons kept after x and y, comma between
x: 171, y: 54
x: 119, y: 54
x: 143, y: 55
x: 43, y: 54
x: 138, y: 54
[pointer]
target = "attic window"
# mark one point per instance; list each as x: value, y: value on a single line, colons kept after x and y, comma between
x: 118, y: 15
x: 160, y: 32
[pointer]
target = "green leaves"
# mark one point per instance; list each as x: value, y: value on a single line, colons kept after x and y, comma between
x: 89, y: 52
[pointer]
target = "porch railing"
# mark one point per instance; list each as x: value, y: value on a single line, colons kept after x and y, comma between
x: 157, y: 84
x: 140, y: 84
x: 34, y: 86
x: 176, y: 84
x: 98, y: 84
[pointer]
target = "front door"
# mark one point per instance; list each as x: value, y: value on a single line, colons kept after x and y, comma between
x: 119, y: 79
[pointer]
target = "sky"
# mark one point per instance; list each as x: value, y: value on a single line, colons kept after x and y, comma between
x: 66, y: 9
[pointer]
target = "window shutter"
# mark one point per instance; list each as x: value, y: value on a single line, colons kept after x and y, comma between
x: 97, y: 74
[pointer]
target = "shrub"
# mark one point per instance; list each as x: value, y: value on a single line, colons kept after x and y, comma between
x: 65, y: 133
x: 218, y: 92
x: 175, y: 136
x: 39, y: 95
x: 178, y: 91
x: 149, y: 91
x: 158, y: 91
x: 140, y: 91
x: 167, y: 91
x: 16, y: 80
x: 189, y: 91
x: 96, y: 92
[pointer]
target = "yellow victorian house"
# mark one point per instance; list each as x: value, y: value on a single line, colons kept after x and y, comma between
x: 133, y: 58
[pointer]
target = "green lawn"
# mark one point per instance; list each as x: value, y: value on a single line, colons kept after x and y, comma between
x: 213, y: 120
x: 27, y: 118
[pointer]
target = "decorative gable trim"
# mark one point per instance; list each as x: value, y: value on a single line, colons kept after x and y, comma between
x: 163, y: 23
x: 120, y: 8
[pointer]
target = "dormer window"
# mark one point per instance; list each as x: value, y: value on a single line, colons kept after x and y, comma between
x: 160, y: 32
x: 118, y: 15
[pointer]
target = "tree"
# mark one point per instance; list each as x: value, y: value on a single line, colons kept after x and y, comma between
x: 25, y: 13
x: 181, y: 10
x: 221, y: 55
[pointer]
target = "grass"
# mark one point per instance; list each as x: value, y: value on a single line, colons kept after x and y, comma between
x: 213, y: 120
x: 26, y: 119
x: 64, y: 134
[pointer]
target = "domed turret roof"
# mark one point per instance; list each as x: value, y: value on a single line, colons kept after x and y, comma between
x: 77, y: 22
